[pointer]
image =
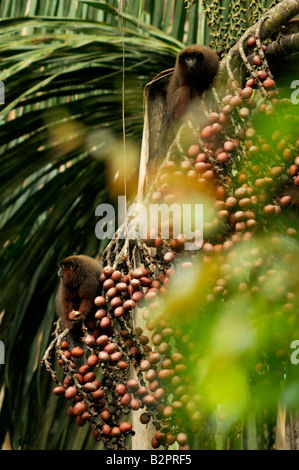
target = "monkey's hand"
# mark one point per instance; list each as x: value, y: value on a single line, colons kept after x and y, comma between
x: 75, y: 316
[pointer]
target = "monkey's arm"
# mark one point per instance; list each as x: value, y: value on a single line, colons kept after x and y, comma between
x: 67, y: 306
x: 87, y: 293
x: 64, y: 307
x: 85, y: 308
x: 73, y: 316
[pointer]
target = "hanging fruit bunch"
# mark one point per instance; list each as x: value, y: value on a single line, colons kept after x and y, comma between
x: 246, y: 174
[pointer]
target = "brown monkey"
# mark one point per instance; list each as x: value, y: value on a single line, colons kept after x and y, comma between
x: 78, y: 288
x: 195, y: 69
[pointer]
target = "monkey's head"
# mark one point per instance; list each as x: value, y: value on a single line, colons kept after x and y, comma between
x: 68, y: 270
x: 74, y: 270
x: 195, y: 61
x: 191, y: 60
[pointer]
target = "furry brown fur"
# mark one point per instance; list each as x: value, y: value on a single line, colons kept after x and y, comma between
x: 195, y: 69
x: 78, y: 288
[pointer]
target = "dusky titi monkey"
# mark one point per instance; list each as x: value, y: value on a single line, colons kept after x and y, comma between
x: 195, y: 69
x: 78, y: 288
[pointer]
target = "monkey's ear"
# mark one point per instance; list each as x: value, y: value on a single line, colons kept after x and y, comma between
x: 73, y: 265
x: 182, y: 58
x: 200, y: 57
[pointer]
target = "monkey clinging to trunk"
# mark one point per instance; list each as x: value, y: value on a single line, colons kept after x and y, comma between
x: 78, y: 288
x: 195, y: 69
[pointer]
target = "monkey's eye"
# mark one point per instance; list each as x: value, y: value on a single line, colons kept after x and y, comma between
x: 182, y: 58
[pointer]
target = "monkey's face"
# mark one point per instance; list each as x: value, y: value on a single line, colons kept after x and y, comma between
x: 67, y: 270
x: 191, y: 62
